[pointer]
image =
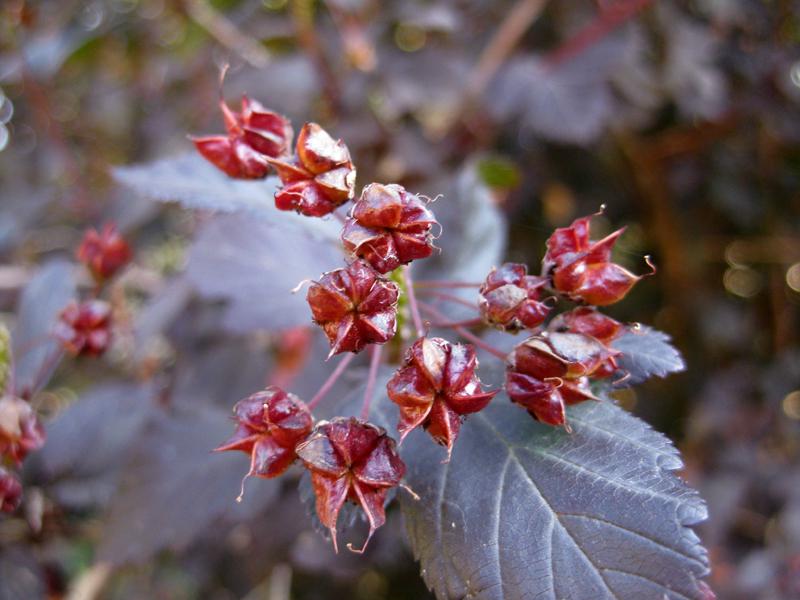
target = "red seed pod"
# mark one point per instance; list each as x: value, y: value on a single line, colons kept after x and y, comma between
x: 389, y: 227
x: 545, y: 373
x: 104, y: 253
x: 85, y: 329
x: 589, y: 321
x: 319, y: 178
x: 582, y: 269
x: 510, y: 298
x: 350, y: 459
x: 253, y: 135
x: 435, y: 387
x: 10, y: 491
x: 270, y: 424
x: 20, y: 429
x: 354, y: 306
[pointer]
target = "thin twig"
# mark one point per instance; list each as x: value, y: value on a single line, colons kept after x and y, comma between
x: 89, y: 585
x: 464, y: 333
x: 517, y: 21
x: 412, y: 301
x: 374, y: 363
x: 332, y: 378
x: 443, y: 283
x: 302, y: 12
x: 227, y: 34
x: 605, y: 23
x: 453, y: 324
x: 46, y: 369
x: 451, y: 298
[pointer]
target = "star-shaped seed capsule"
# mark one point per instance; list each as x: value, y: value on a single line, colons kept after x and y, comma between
x: 582, y: 270
x: 319, y: 178
x: 511, y: 299
x: 252, y: 136
x: 270, y: 424
x: 389, y: 227
x: 354, y: 306
x: 20, y: 429
x: 436, y: 386
x: 350, y: 459
x: 546, y: 373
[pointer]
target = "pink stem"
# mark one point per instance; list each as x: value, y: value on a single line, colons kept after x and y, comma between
x: 329, y: 383
x: 444, y: 283
x: 450, y: 324
x: 464, y: 333
x: 608, y: 20
x: 451, y: 298
x: 412, y: 301
x: 46, y: 369
x: 35, y: 343
x: 374, y: 363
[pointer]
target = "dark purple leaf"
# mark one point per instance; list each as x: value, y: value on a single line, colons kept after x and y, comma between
x: 473, y: 239
x: 194, y: 183
x: 254, y: 266
x: 647, y: 352
x: 47, y: 293
x: 691, y: 75
x: 525, y: 510
x: 88, y: 444
x: 21, y: 577
x: 174, y: 487
x: 567, y: 102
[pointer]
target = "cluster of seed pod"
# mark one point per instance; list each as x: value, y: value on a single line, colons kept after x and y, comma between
x: 20, y: 433
x: 349, y: 459
x: 356, y: 306
x: 83, y: 329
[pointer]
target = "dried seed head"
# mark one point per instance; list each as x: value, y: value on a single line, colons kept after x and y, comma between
x: 389, y: 227
x: 85, y: 329
x: 354, y: 306
x: 10, y: 491
x: 547, y: 372
x: 253, y: 135
x: 589, y: 321
x: 20, y: 429
x: 269, y: 424
x: 582, y: 269
x: 350, y: 459
x: 319, y: 178
x: 435, y: 387
x: 510, y: 298
x: 104, y: 253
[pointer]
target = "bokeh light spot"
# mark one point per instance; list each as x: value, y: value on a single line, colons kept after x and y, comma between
x: 794, y: 73
x: 742, y: 281
x: 791, y: 405
x: 793, y: 277
x: 409, y: 38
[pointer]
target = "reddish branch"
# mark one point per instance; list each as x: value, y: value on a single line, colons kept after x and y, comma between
x: 608, y: 20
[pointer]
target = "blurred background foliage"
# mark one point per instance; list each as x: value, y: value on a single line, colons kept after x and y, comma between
x: 680, y: 117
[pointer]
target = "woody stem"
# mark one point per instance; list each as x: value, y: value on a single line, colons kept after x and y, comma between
x: 412, y: 301
x: 464, y: 333
x: 332, y: 378
x: 374, y: 363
